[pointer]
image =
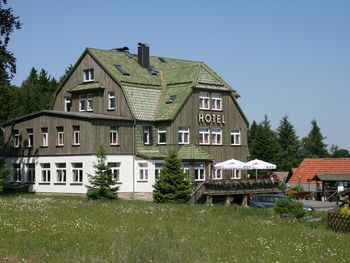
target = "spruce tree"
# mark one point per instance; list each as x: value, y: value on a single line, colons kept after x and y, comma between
x: 102, y: 184
x: 171, y: 186
x: 289, y: 145
x: 313, y: 145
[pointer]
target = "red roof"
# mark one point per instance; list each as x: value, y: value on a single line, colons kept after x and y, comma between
x: 309, y: 167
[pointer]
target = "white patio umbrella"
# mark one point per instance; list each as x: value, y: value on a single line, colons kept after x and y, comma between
x: 231, y: 164
x: 259, y: 165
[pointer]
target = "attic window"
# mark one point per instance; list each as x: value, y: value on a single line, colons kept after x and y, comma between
x: 130, y: 55
x: 162, y: 59
x: 171, y: 99
x: 122, y: 70
x: 153, y: 70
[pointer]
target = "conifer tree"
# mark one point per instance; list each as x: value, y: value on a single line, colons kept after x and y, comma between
x: 289, y: 145
x: 171, y: 186
x: 313, y: 145
x: 102, y: 184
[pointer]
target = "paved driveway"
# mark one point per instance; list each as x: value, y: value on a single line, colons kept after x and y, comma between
x: 320, y: 205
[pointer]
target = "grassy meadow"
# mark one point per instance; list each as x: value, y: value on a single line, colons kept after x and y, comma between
x: 36, y: 228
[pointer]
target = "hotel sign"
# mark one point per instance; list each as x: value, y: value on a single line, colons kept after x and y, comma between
x: 211, y: 118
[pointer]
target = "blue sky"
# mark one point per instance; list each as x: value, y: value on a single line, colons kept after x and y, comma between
x: 283, y: 57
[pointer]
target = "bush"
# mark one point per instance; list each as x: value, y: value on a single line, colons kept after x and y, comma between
x: 297, y: 188
x: 287, y: 206
x: 5, y: 174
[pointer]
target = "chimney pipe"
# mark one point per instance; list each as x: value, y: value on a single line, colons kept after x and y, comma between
x: 143, y: 55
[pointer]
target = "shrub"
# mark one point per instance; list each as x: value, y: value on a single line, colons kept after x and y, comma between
x: 5, y: 174
x: 290, y: 207
x: 297, y: 188
x: 345, y: 210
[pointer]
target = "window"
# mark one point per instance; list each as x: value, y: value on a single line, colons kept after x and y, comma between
x: 204, y: 135
x: 204, y: 100
x: 184, y: 135
x: 77, y: 172
x: 89, y: 75
x: 115, y: 167
x: 61, y: 172
x: 199, y: 172
x: 67, y: 104
x: 30, y: 138
x: 30, y: 172
x: 143, y: 172
x: 60, y: 136
x: 111, y: 101
x: 236, y: 174
x: 113, y: 136
x: 147, y: 135
x: 45, y: 173
x: 90, y: 102
x: 82, y: 102
x: 162, y: 135
x: 45, y: 137
x: 216, y: 101
x: 217, y: 174
x: 17, y: 176
x: 186, y: 167
x: 76, y: 135
x: 216, y: 137
x: 235, y: 137
x: 15, y: 138
x: 158, y: 167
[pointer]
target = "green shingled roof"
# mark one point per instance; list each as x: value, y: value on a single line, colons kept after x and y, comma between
x: 89, y: 86
x: 192, y: 152
x: 331, y: 177
x: 143, y: 91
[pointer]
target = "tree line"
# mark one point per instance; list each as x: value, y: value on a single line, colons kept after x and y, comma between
x: 283, y: 147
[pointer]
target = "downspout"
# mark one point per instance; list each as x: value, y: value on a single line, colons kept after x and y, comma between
x: 133, y: 159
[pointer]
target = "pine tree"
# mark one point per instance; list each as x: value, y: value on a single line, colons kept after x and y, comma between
x: 289, y: 146
x: 102, y: 184
x: 171, y: 186
x: 313, y: 145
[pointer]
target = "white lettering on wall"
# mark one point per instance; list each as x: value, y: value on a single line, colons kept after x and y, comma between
x: 211, y: 118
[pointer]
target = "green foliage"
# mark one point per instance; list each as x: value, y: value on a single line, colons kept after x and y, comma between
x: 298, y: 188
x: 5, y: 174
x: 290, y: 207
x: 289, y: 155
x: 337, y: 152
x: 171, y: 186
x: 313, y: 145
x: 102, y: 184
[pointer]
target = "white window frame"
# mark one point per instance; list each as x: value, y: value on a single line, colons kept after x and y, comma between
x: 76, y: 135
x: 67, y: 104
x: 17, y: 175
x: 30, y: 172
x: 16, y: 139
x: 146, y: 135
x: 60, y: 136
x: 236, y: 174
x: 161, y: 133
x: 199, y: 170
x: 216, y: 101
x: 82, y: 102
x: 30, y: 138
x: 143, y: 172
x: 115, y: 169
x: 111, y: 98
x: 204, y: 101
x: 113, y: 136
x: 184, y: 135
x: 89, y: 75
x: 204, y: 136
x: 235, y: 137
x: 216, y: 136
x: 45, y: 173
x: 217, y: 175
x: 90, y: 102
x: 61, y: 172
x: 77, y: 173
x: 45, y: 137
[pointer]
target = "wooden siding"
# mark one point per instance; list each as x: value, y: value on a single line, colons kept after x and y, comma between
x: 93, y: 133
x: 100, y: 98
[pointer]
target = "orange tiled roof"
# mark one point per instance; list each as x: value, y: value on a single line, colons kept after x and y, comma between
x: 309, y: 167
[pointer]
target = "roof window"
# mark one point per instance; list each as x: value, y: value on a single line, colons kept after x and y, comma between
x: 122, y: 70
x: 171, y: 99
x: 153, y: 70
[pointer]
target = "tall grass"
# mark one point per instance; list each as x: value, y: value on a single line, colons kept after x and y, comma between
x: 72, y: 229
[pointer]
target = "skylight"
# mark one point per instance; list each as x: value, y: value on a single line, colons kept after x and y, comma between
x: 171, y: 99
x: 153, y: 70
x: 122, y: 70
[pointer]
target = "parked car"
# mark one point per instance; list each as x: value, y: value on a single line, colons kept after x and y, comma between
x: 269, y: 201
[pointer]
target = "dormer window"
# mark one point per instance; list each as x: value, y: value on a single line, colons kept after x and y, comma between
x: 216, y: 101
x: 204, y: 100
x: 89, y: 75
